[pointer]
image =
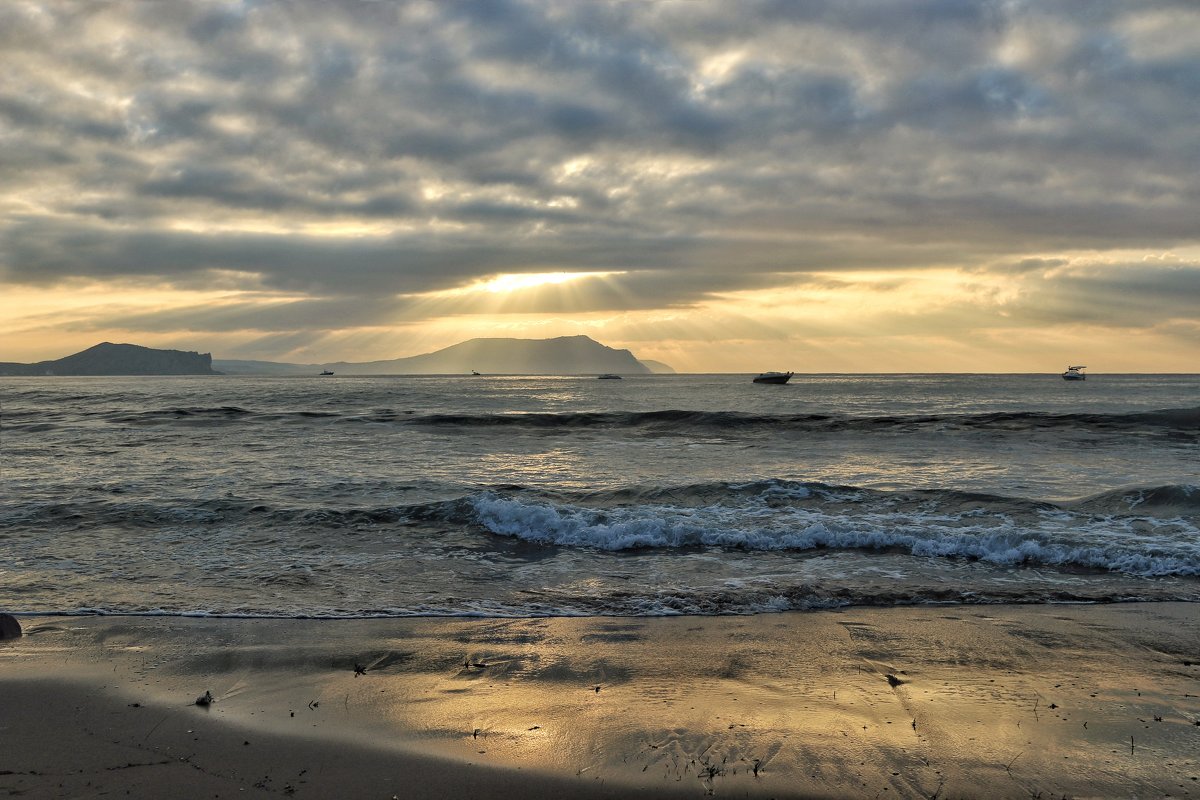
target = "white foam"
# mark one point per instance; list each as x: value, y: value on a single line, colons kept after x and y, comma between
x: 1111, y: 543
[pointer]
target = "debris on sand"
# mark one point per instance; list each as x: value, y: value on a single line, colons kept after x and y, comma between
x: 205, y: 700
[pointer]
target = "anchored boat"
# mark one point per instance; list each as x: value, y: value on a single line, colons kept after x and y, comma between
x: 1074, y: 374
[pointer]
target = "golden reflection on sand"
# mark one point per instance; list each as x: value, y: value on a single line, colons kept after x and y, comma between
x: 914, y: 702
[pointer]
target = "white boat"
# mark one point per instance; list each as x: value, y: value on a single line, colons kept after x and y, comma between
x: 774, y: 377
x: 1074, y: 374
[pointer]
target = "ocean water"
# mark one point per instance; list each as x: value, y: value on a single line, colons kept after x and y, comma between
x: 516, y: 496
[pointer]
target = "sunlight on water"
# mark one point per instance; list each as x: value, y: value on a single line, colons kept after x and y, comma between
x: 549, y: 495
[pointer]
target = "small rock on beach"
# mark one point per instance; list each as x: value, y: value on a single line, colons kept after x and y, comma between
x: 9, y: 627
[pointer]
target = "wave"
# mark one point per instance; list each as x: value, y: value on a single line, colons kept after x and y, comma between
x: 1133, y: 545
x: 198, y: 513
x: 178, y: 415
x: 1180, y: 419
x: 1173, y: 421
x: 1175, y: 499
x: 1148, y: 532
x: 1159, y: 501
x: 116, y: 508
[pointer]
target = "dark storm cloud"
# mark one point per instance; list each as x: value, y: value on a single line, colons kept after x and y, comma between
x: 703, y: 147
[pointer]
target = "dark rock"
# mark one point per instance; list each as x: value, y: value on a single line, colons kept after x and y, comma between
x: 9, y: 627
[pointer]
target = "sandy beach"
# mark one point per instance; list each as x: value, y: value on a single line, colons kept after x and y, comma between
x: 948, y: 701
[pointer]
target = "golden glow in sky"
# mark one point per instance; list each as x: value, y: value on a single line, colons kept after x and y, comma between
x: 516, y: 281
x: 721, y: 187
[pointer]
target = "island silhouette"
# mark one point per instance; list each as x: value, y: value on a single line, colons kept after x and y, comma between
x: 563, y: 355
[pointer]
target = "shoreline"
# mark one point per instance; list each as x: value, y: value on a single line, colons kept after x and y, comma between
x: 943, y: 701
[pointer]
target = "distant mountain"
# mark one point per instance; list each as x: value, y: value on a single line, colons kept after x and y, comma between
x: 657, y: 367
x: 566, y: 355
x: 119, y: 359
x: 234, y: 366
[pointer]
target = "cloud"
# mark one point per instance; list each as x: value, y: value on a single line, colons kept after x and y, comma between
x: 329, y: 151
x: 1118, y: 295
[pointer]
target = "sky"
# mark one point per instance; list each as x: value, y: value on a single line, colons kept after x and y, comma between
x: 818, y: 186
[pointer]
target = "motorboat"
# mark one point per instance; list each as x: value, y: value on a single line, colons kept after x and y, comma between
x: 608, y: 376
x: 1074, y: 374
x: 774, y: 377
x: 326, y: 372
x: 474, y: 372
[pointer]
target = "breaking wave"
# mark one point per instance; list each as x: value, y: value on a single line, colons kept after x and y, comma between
x: 1145, y: 532
x: 923, y: 524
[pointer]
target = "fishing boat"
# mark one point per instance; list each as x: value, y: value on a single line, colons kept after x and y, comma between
x: 326, y: 372
x: 774, y: 377
x: 608, y: 376
x: 1074, y: 374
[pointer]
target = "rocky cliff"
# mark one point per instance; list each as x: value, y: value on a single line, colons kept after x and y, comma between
x: 119, y: 359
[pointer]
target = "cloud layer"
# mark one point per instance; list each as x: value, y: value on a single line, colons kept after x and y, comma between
x: 327, y: 161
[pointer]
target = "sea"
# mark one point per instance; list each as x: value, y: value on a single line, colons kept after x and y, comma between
x: 518, y: 496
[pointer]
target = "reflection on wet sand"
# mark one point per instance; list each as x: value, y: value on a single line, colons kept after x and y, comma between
x: 926, y: 701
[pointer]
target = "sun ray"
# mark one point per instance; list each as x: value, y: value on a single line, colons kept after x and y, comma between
x: 515, y: 281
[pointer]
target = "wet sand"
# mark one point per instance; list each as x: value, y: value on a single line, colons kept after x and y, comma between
x: 949, y: 701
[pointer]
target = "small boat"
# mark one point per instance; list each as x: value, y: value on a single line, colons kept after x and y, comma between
x: 473, y: 372
x: 774, y: 377
x: 608, y: 376
x: 326, y: 372
x: 1074, y: 374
